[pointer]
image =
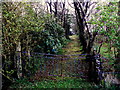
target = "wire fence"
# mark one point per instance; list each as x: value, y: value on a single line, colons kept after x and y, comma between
x: 59, y: 65
x: 67, y: 65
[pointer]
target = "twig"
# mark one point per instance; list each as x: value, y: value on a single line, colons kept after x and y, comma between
x: 99, y: 48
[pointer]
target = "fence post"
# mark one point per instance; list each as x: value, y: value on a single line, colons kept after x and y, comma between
x: 90, y: 69
x: 98, y: 68
x: 19, y: 61
x: 95, y: 68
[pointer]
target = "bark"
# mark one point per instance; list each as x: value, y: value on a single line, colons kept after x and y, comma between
x: 86, y: 39
x: 67, y: 31
x: 91, y: 42
x: 19, y: 61
x: 23, y: 53
x: 66, y: 26
x: 81, y: 27
x: 61, y: 15
x: 13, y: 65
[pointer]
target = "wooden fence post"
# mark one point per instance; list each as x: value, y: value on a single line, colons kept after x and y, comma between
x: 98, y: 68
x: 19, y: 61
x: 0, y: 46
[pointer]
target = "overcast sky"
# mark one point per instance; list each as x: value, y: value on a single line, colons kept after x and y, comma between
x: 60, y: 0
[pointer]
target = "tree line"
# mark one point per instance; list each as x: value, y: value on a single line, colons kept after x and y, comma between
x: 30, y: 27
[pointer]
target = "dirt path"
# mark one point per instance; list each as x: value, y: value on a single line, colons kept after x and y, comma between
x: 72, y: 47
x: 63, y: 71
x: 66, y: 65
x: 71, y: 64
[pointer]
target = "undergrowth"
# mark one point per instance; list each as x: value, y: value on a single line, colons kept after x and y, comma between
x: 58, y: 83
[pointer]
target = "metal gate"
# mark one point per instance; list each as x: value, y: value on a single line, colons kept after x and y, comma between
x: 77, y: 65
x: 60, y: 65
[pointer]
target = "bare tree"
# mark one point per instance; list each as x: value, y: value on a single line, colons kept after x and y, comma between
x: 83, y: 11
x: 60, y: 13
x: 86, y: 36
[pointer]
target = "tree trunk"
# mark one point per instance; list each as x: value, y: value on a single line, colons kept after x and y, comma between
x: 81, y: 27
x: 23, y: 54
x: 13, y: 65
x: 19, y: 61
x: 66, y: 27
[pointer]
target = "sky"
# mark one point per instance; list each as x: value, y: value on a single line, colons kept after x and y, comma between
x: 59, y: 0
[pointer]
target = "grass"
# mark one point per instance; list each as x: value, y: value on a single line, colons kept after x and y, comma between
x: 67, y: 82
x: 72, y: 47
x: 59, y: 83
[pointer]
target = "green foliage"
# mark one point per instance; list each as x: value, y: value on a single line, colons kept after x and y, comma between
x: 34, y: 65
x: 61, y: 83
x: 35, y: 32
x: 108, y: 23
x: 52, y: 37
x: 65, y: 83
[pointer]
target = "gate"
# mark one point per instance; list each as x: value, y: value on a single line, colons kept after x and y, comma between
x: 65, y: 65
x: 61, y: 65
